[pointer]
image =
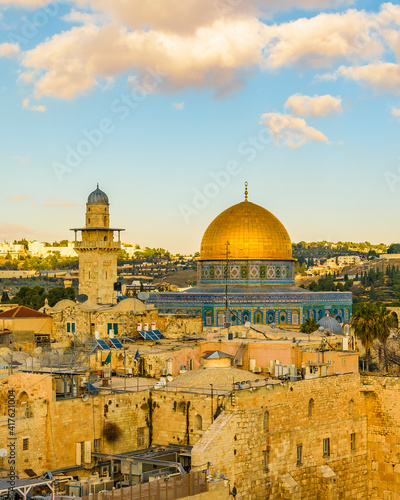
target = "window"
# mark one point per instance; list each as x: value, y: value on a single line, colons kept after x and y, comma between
x: 97, y: 445
x: 112, y: 327
x: 327, y: 447
x: 299, y: 454
x: 265, y: 459
x: 198, y: 423
x: 25, y: 444
x: 82, y: 452
x: 344, y: 361
x: 311, y: 407
x: 70, y: 327
x: 351, y: 405
x: 266, y: 421
x: 140, y: 437
x: 353, y: 441
x: 88, y: 221
x: 26, y: 412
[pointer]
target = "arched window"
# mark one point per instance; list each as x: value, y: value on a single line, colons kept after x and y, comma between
x: 24, y: 405
x: 258, y: 318
x: 311, y: 407
x: 199, y: 423
x: 351, y: 405
x: 266, y: 421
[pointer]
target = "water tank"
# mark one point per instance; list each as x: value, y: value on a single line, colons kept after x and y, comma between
x: 252, y: 365
x: 97, y: 335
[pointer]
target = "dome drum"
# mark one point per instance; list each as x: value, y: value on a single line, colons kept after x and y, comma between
x: 249, y: 272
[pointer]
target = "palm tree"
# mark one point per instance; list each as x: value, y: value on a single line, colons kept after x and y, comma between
x: 364, y: 322
x: 385, y: 321
x: 309, y: 326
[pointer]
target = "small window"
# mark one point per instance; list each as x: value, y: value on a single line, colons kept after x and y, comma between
x: 82, y: 452
x: 311, y: 407
x: 327, y: 447
x: 199, y: 423
x: 112, y: 327
x: 266, y: 421
x: 70, y: 327
x: 351, y: 405
x: 344, y: 361
x: 353, y: 441
x: 299, y: 454
x: 265, y: 459
x: 140, y: 437
x: 25, y: 444
x: 97, y: 445
x: 88, y: 221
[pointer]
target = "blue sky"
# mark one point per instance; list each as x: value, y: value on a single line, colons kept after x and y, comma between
x: 303, y: 104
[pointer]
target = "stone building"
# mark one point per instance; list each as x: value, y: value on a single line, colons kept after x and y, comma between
x: 97, y: 251
x: 22, y: 328
x: 245, y: 273
x: 328, y: 438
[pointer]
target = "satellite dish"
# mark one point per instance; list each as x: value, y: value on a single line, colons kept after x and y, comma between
x: 247, y: 324
x: 3, y: 452
x: 85, y: 398
x: 321, y: 328
x: 81, y: 298
x: 143, y: 295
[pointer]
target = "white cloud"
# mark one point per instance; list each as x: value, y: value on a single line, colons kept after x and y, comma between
x: 15, y: 231
x: 9, y: 50
x: 304, y: 105
x: 18, y: 198
x: 26, y: 105
x: 213, y: 57
x: 78, y: 17
x: 178, y: 105
x: 57, y: 202
x: 396, y: 112
x: 292, y: 131
x: 322, y: 40
x: 381, y: 76
x: 30, y: 4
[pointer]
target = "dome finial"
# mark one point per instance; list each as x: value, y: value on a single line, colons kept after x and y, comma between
x: 97, y: 185
x: 245, y: 190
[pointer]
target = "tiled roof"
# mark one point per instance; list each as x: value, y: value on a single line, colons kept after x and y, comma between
x: 22, y: 312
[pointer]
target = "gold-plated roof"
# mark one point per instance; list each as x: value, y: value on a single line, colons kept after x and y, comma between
x: 253, y: 233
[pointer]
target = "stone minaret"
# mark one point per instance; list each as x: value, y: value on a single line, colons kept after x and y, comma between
x: 97, y: 251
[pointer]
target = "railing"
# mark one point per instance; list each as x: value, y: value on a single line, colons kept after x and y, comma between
x: 97, y: 244
x: 170, y: 488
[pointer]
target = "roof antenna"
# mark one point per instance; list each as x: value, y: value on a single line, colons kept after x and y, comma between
x: 97, y: 185
x: 245, y: 191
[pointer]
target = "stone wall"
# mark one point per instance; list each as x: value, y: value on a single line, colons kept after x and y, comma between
x: 257, y: 458
x: 383, y: 407
x: 53, y: 428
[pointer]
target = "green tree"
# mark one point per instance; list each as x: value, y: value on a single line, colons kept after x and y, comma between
x: 5, y: 297
x: 309, y: 326
x: 364, y: 322
x: 385, y: 321
x: 394, y: 248
x: 60, y: 293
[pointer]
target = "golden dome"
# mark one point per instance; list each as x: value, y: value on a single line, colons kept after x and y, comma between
x: 253, y: 234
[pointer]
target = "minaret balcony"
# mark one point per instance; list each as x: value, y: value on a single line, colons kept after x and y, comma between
x: 91, y: 245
